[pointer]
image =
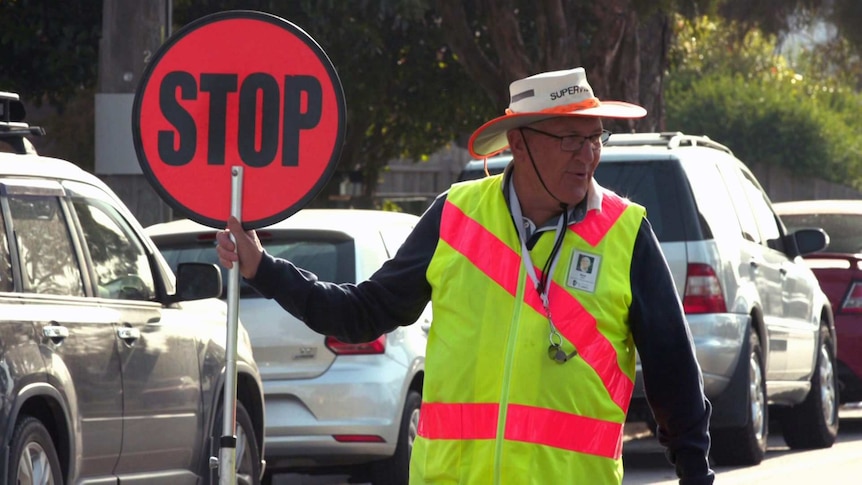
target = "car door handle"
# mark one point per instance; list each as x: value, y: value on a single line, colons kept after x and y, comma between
x: 128, y: 334
x: 57, y: 333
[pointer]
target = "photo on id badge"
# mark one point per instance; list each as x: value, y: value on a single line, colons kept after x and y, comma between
x: 583, y: 270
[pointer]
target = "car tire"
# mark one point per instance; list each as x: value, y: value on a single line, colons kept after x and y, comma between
x: 32, y: 455
x: 396, y: 469
x: 814, y: 422
x: 247, y: 451
x: 746, y: 445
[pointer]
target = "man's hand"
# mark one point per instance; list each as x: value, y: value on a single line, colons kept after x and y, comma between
x: 247, y: 250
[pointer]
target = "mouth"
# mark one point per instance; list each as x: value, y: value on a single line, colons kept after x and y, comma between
x: 578, y: 174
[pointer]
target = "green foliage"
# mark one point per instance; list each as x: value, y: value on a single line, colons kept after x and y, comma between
x: 391, y: 206
x: 49, y: 49
x: 742, y: 94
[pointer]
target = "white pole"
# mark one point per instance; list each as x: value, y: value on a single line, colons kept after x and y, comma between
x: 227, y: 444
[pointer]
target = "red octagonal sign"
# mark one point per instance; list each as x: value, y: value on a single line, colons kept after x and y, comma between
x: 239, y: 88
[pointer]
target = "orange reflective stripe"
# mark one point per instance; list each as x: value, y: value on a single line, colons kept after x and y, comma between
x: 502, y: 265
x: 567, y: 108
x: 564, y: 430
x: 461, y: 421
x: 485, y: 250
x: 595, y: 225
x: 578, y: 326
x: 529, y: 424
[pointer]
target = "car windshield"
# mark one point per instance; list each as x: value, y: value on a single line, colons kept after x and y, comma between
x: 844, y: 230
x: 328, y: 259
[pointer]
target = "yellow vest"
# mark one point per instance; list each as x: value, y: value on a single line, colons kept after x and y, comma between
x: 496, y: 409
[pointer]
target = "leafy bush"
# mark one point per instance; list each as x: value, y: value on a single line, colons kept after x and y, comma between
x: 738, y: 92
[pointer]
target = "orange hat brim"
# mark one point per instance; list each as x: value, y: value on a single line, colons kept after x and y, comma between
x: 490, y: 138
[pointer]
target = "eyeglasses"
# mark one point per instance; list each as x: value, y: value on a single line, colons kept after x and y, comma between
x: 573, y: 143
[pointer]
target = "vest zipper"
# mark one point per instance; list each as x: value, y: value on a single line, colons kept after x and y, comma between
x: 514, y: 326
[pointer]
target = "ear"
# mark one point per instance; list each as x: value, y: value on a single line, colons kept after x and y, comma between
x: 516, y: 139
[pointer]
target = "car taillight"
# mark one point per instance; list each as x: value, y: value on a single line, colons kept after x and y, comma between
x: 358, y: 438
x: 702, y: 290
x: 853, y: 301
x: 343, y: 348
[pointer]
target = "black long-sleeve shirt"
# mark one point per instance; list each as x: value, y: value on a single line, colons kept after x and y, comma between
x: 398, y: 292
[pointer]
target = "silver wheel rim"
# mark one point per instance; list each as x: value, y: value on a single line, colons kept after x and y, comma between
x: 412, y: 430
x: 34, y: 468
x: 827, y: 386
x: 757, y: 398
x: 244, y: 466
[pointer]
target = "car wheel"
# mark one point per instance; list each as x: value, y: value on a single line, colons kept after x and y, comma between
x: 814, y: 422
x: 32, y: 456
x: 746, y: 444
x: 396, y: 469
x: 247, y: 452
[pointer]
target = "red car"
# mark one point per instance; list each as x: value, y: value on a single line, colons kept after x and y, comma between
x: 839, y: 270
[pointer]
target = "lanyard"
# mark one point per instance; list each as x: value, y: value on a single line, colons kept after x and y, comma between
x: 554, y: 337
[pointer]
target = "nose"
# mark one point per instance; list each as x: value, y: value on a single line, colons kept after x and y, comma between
x: 586, y: 153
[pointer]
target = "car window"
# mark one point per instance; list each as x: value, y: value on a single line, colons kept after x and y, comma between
x: 764, y: 217
x: 844, y: 230
x: 659, y: 187
x: 739, y: 198
x: 713, y: 200
x: 47, y: 258
x: 330, y: 260
x: 319, y: 257
x: 6, y: 283
x: 121, y: 266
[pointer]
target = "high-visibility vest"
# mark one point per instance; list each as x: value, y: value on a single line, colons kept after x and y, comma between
x: 496, y: 408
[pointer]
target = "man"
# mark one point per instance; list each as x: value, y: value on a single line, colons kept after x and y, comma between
x: 586, y: 264
x: 530, y: 362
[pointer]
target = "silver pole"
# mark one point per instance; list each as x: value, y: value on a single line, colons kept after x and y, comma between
x: 227, y: 445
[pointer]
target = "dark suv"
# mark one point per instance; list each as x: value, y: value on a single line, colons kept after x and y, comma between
x: 763, y: 329
x: 112, y: 370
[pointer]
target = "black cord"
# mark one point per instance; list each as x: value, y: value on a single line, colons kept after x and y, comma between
x: 557, y: 244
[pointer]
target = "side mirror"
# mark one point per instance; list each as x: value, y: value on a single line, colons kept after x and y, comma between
x: 810, y: 240
x: 196, y: 281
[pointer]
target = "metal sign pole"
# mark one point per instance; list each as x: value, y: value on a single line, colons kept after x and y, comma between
x: 227, y: 444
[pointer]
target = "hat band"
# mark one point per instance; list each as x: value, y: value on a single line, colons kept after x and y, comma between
x: 567, y: 108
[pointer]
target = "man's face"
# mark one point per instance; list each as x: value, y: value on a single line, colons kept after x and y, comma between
x: 565, y: 165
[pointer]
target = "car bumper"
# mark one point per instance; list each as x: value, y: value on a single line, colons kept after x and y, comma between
x: 718, y: 338
x: 357, y: 396
x: 848, y: 330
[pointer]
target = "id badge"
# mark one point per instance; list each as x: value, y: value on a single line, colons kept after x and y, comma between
x: 583, y: 271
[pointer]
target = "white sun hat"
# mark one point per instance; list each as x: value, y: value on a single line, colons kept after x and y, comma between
x: 543, y: 96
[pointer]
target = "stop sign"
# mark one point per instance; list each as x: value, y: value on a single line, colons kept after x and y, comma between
x: 239, y: 88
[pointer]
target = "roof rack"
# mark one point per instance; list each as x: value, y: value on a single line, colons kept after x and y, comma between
x: 13, y: 129
x: 669, y: 139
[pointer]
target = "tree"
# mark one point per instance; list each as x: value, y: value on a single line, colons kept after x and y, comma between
x: 49, y: 50
x: 728, y: 82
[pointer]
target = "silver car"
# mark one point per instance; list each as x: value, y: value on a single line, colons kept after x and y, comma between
x: 330, y: 405
x: 112, y: 367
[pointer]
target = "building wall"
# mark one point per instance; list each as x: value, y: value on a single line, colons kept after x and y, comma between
x: 414, y: 185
